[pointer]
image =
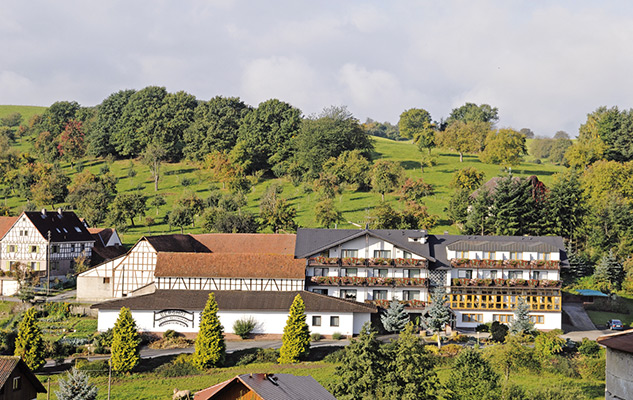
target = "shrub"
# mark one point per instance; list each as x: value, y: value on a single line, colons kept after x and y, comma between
x: 92, y: 368
x: 335, y: 357
x: 591, y: 368
x: 450, y: 350
x: 186, y: 182
x: 260, y: 356
x: 170, y: 334
x: 561, y: 365
x: 315, y: 337
x: 589, y: 348
x: 483, y: 328
x: 337, y: 336
x: 498, y: 332
x: 180, y: 366
x: 461, y: 338
x: 244, y: 327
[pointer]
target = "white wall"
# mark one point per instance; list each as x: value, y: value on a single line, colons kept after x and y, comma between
x: 366, y: 292
x: 8, y: 286
x: 619, y: 380
x: 367, y: 246
x: 268, y: 322
x: 550, y: 320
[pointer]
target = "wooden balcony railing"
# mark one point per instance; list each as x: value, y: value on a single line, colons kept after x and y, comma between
x: 529, y: 283
x: 504, y: 264
x: 407, y: 303
x: 367, y: 262
x: 370, y: 281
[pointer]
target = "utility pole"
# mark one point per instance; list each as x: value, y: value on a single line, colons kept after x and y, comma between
x: 48, y: 265
x: 109, y: 376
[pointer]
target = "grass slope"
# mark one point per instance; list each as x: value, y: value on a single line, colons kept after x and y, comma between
x: 355, y: 206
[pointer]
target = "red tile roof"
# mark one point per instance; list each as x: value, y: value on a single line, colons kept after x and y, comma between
x: 5, y: 224
x: 9, y: 363
x: 271, y: 387
x: 229, y: 265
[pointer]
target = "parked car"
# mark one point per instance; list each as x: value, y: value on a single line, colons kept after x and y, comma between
x: 615, y: 324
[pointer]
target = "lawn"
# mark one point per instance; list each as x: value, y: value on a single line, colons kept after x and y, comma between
x: 600, y: 318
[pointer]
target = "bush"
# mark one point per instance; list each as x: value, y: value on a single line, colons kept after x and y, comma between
x: 589, y: 348
x: 170, y: 334
x: 483, y: 328
x: 335, y: 357
x: 180, y: 366
x: 616, y: 305
x: 450, y: 350
x: 461, y: 338
x: 92, y: 368
x: 337, y: 336
x: 260, y: 356
x: 315, y: 337
x: 498, y: 332
x: 243, y: 327
x: 186, y: 182
x: 591, y: 368
x: 561, y: 365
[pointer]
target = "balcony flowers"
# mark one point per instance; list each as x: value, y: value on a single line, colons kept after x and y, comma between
x: 326, y: 260
x: 507, y: 264
x: 499, y: 282
x: 379, y: 261
x: 369, y: 281
x: 533, y: 282
x: 353, y: 261
x: 407, y: 261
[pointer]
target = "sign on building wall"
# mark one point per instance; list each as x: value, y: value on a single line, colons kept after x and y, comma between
x: 173, y: 317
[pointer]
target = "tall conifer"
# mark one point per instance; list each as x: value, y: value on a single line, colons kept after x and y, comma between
x: 29, y: 344
x: 296, y: 337
x: 210, y: 347
x: 125, y: 342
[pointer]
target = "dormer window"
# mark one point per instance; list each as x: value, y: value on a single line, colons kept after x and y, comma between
x: 516, y: 255
x: 461, y: 254
x: 490, y: 255
x: 544, y: 256
x: 406, y: 254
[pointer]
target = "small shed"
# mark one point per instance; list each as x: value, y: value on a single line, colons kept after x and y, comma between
x: 589, y: 295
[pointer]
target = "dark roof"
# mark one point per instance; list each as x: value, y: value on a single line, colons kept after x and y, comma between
x: 176, y: 244
x: 8, y: 365
x: 101, y: 235
x: 313, y: 241
x: 64, y: 226
x: 229, y: 265
x: 439, y: 244
x: 271, y: 387
x: 235, y: 300
x: 101, y: 254
x: 622, y: 341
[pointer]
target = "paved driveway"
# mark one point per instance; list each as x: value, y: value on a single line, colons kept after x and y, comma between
x: 578, y: 316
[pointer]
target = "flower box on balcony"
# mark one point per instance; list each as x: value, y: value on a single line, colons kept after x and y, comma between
x: 407, y: 261
x: 379, y: 261
x: 353, y: 261
x: 326, y: 260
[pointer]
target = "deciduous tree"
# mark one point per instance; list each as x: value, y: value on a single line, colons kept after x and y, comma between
x: 127, y: 206
x: 276, y: 212
x: 296, y: 338
x: 153, y: 156
x: 472, y: 377
x: 505, y: 147
x: 71, y: 144
x: 29, y: 343
x: 464, y: 137
x: 210, y: 348
x: 469, y: 178
x: 416, y: 124
x: 326, y: 213
x: 92, y: 195
x: 386, y: 175
x: 125, y: 342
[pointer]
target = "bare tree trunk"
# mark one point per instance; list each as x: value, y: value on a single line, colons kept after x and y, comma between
x: 461, y: 157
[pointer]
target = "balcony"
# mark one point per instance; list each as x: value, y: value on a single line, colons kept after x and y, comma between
x: 370, y: 281
x: 407, y: 303
x: 504, y: 264
x: 528, y: 283
x: 367, y: 262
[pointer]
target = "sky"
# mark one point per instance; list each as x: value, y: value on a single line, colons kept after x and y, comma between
x: 544, y: 64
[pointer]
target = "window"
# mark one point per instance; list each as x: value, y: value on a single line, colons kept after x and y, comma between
x: 412, y: 273
x: 411, y: 295
x: 316, y: 320
x: 516, y: 255
x: 106, y: 281
x: 34, y: 249
x: 503, y: 318
x: 12, y: 248
x: 515, y: 274
x: 320, y: 291
x: 72, y: 247
x: 406, y: 254
x: 461, y: 254
x: 349, y: 271
x: 321, y: 271
x: 382, y: 273
x: 17, y: 384
x: 536, y: 275
x: 12, y: 265
x: 490, y: 255
x: 472, y: 318
x: 349, y: 294
x: 82, y: 247
x: 349, y: 253
x: 334, y: 321
x: 380, y: 295
x: 465, y: 273
x: 382, y: 253
x: 544, y: 256
x: 537, y: 319
x: 55, y: 248
x: 77, y: 229
x: 35, y: 265
x: 54, y: 265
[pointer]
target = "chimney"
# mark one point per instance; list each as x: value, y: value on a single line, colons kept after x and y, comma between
x: 43, y: 211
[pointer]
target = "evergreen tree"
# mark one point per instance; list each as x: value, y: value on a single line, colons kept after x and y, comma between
x: 566, y: 205
x: 521, y: 323
x: 457, y: 210
x: 579, y: 266
x: 411, y: 375
x: 296, y: 337
x: 513, y: 207
x: 210, y: 347
x: 76, y: 387
x: 29, y: 343
x: 439, y: 314
x: 125, y: 342
x: 479, y: 220
x: 395, y: 318
x: 610, y: 270
x: 472, y: 377
x: 362, y: 368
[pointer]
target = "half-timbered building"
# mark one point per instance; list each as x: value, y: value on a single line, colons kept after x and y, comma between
x: 45, y: 241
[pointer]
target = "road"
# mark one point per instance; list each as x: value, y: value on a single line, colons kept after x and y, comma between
x: 578, y: 317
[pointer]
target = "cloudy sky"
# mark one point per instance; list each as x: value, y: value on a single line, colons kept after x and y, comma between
x: 544, y: 64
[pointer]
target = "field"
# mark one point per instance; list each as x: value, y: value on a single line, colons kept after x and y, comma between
x: 151, y: 386
x: 355, y: 206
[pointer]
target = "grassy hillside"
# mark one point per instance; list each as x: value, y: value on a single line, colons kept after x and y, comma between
x: 355, y: 206
x: 26, y: 111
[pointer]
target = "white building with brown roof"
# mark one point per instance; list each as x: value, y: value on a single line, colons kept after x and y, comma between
x: 255, y: 262
x: 619, y: 368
